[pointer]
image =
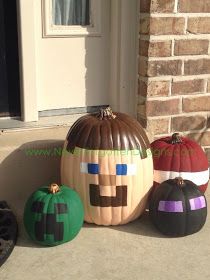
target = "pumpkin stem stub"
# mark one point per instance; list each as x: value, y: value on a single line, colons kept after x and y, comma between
x: 176, y: 139
x: 180, y: 182
x: 53, y: 188
x: 106, y: 114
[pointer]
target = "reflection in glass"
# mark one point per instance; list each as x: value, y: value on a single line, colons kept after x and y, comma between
x: 71, y: 12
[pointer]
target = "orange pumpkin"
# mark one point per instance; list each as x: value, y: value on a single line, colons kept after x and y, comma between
x: 109, y: 163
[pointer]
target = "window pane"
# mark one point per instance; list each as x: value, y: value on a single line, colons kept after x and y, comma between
x: 71, y: 12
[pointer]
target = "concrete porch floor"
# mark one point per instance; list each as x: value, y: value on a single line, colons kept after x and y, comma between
x: 134, y: 251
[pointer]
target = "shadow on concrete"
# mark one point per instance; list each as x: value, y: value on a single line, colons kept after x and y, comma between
x: 27, y: 168
x: 24, y: 240
x: 142, y: 226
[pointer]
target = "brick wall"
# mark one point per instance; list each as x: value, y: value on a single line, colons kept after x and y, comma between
x: 174, y: 68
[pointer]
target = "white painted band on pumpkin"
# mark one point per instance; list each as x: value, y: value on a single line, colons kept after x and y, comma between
x: 198, y: 178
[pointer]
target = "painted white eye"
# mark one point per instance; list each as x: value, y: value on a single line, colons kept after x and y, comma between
x: 126, y: 169
x: 84, y: 167
x: 131, y: 169
x: 91, y: 168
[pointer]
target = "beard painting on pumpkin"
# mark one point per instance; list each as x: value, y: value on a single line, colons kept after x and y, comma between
x: 113, y: 185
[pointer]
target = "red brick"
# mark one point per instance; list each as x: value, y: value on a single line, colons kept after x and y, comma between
x: 155, y: 49
x: 187, y: 87
x: 194, y: 6
x: 145, y: 6
x: 191, y: 47
x: 167, y: 25
x: 199, y: 25
x: 159, y: 49
x: 143, y: 67
x: 158, y: 126
x: 142, y: 121
x: 196, y: 67
x: 208, y: 122
x: 184, y: 123
x: 144, y: 25
x: 143, y: 47
x: 156, y: 6
x: 142, y: 110
x: 202, y: 138
x: 142, y: 88
x: 162, y: 107
x: 158, y: 88
x: 164, y: 68
x: 196, y: 104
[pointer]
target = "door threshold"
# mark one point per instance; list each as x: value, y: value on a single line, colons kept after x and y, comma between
x: 12, y: 124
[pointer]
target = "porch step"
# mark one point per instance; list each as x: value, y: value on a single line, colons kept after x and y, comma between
x: 21, y: 169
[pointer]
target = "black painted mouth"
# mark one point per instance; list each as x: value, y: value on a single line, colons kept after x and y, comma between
x: 106, y: 201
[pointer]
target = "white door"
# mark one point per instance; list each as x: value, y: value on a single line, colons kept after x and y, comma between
x: 72, y: 66
x: 72, y: 61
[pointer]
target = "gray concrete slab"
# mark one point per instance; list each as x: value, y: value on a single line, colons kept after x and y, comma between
x: 133, y: 251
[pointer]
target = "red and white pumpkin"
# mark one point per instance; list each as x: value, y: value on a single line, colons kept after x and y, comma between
x: 177, y: 156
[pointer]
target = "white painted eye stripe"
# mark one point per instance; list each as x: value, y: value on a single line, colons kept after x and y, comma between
x: 84, y: 167
x: 131, y: 169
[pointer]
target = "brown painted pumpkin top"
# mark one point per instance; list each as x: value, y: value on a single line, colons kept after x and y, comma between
x: 107, y: 131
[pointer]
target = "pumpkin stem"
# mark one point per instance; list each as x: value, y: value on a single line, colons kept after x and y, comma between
x: 180, y: 182
x: 106, y: 114
x: 53, y: 188
x: 176, y: 139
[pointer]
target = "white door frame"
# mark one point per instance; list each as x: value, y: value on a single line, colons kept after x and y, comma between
x: 124, y: 57
x: 27, y: 54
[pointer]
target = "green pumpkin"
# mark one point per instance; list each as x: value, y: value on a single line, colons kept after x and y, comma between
x: 53, y: 215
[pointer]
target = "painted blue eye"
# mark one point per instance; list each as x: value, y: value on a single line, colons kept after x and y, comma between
x: 93, y: 168
x: 121, y: 169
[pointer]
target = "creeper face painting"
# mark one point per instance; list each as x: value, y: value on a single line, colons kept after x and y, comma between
x: 53, y: 215
x: 48, y: 223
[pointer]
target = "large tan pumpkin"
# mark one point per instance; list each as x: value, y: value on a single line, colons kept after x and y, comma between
x: 107, y: 160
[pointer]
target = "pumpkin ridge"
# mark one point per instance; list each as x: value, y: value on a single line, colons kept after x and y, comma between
x: 105, y: 129
x: 87, y: 136
x: 116, y: 135
x: 74, y: 135
x: 137, y: 137
x: 140, y: 134
x: 129, y: 135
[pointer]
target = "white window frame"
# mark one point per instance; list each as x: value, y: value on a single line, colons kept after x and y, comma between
x: 49, y: 30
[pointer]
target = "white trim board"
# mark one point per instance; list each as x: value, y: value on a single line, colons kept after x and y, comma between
x: 124, y: 54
